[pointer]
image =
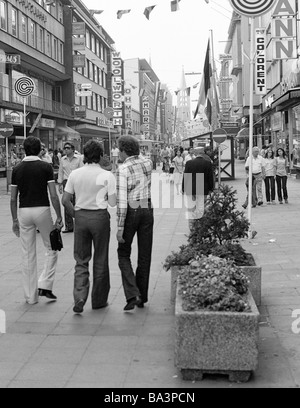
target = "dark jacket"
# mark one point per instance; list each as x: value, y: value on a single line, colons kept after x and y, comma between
x: 198, y: 177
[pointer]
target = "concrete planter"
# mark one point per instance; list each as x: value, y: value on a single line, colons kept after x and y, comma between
x: 216, y: 342
x: 174, y: 276
x: 254, y: 273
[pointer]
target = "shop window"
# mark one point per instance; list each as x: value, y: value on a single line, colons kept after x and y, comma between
x: 24, y: 29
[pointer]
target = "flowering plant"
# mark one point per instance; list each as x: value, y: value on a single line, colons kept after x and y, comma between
x: 213, y: 284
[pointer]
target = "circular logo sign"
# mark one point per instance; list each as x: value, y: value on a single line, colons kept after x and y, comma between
x: 252, y: 8
x: 109, y: 113
x: 24, y: 86
x: 6, y: 129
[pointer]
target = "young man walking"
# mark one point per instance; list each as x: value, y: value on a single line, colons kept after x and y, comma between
x: 31, y: 181
x: 95, y: 189
x: 135, y: 216
x: 70, y: 162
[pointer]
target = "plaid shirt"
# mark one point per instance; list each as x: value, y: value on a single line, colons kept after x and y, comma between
x: 133, y: 184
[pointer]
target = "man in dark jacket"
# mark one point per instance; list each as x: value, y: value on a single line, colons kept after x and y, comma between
x: 198, y: 183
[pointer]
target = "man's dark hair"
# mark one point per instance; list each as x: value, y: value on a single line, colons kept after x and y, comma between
x: 129, y: 145
x: 32, y: 146
x: 69, y: 144
x: 93, y: 151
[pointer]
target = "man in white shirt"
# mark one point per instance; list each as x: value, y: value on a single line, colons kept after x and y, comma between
x: 115, y: 157
x: 190, y: 156
x: 258, y: 172
x: 70, y: 162
x: 95, y: 189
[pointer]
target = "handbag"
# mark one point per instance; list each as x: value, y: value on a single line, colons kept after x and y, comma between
x: 56, y: 240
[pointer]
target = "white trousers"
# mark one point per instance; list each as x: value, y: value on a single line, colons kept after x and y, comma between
x: 195, y: 206
x: 30, y: 220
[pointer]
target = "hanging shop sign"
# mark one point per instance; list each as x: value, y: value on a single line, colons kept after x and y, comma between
x: 284, y: 30
x: 78, y: 29
x: 117, y: 89
x: 225, y: 57
x: 146, y: 116
x: 78, y: 44
x: 261, y: 62
x: 128, y: 108
x: 78, y: 61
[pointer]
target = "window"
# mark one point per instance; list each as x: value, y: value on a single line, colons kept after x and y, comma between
x: 86, y: 69
x: 24, y: 29
x: 97, y: 48
x: 104, y: 79
x: 94, y: 107
x: 93, y: 43
x: 48, y: 44
x: 100, y: 77
x: 89, y: 102
x: 3, y: 16
x: 96, y: 76
x: 14, y: 22
x: 32, y: 34
x: 91, y: 71
x: 61, y: 53
x: 41, y: 40
x: 88, y: 39
x: 54, y: 55
x: 102, y: 52
x: 105, y: 55
x: 99, y: 103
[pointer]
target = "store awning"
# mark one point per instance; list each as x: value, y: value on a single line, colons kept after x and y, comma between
x: 88, y: 130
x: 204, y: 136
x: 290, y: 99
x: 243, y: 134
x: 67, y: 132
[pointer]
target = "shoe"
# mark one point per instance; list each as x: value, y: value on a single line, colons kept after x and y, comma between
x: 141, y: 305
x: 260, y: 203
x: 269, y: 203
x: 132, y: 303
x: 286, y: 201
x: 47, y: 293
x: 78, y: 308
x: 244, y: 206
x: 67, y: 231
x: 280, y: 202
x: 101, y: 307
x: 274, y: 202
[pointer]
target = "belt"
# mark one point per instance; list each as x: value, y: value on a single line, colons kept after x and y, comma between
x: 144, y: 203
x: 256, y: 174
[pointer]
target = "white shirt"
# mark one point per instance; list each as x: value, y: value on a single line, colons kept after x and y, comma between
x: 91, y: 185
x: 257, y: 164
x: 115, y: 152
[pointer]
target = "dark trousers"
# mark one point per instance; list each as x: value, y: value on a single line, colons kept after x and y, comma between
x: 270, y: 189
x: 139, y: 221
x: 69, y: 224
x: 92, y: 228
x: 282, y: 187
x: 154, y: 161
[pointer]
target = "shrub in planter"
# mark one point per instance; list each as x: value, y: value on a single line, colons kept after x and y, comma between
x: 214, y: 284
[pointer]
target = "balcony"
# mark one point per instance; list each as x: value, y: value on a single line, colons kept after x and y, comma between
x: 9, y: 99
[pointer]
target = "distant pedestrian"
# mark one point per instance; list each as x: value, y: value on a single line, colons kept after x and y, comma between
x: 55, y: 164
x: 178, y: 171
x: 95, y: 189
x: 115, y: 157
x: 197, y: 184
x: 270, y: 176
x: 31, y: 181
x: 154, y: 154
x: 190, y: 155
x: 68, y: 163
x: 135, y: 216
x: 281, y: 163
x: 258, y: 173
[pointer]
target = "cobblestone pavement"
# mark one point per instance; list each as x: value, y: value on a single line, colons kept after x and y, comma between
x: 47, y: 346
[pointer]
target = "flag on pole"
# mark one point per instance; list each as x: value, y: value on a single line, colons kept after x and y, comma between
x: 205, y: 85
x: 175, y: 5
x: 148, y: 11
x: 121, y: 12
x: 92, y: 12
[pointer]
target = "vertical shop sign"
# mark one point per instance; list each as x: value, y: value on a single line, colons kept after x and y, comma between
x: 117, y: 89
x: 260, y: 65
x: 284, y: 30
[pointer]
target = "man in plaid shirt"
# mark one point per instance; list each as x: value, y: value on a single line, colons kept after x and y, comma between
x: 135, y: 215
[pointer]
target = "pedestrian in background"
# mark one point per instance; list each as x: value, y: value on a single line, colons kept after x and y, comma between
x: 68, y: 163
x: 281, y: 163
x: 178, y: 171
x: 115, y: 157
x: 270, y: 176
x: 197, y: 184
x: 258, y: 173
x: 135, y: 216
x: 31, y: 182
x: 95, y: 189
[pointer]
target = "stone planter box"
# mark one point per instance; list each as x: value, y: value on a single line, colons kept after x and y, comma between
x: 174, y: 276
x: 216, y: 342
x: 254, y: 274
